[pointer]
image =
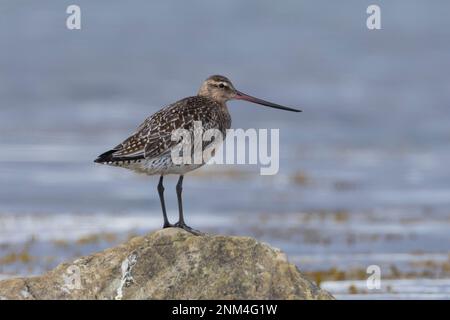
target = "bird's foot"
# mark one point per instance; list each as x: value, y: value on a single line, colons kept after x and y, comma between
x: 184, y: 226
x: 168, y: 225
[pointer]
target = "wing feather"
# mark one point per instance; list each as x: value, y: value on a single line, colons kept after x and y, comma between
x: 153, y: 137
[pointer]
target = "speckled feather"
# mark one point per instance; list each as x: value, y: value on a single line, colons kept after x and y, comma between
x: 151, y: 143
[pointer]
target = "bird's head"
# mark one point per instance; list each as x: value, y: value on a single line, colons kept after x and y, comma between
x: 220, y: 89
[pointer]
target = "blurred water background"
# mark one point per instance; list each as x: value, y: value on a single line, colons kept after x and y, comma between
x: 364, y: 170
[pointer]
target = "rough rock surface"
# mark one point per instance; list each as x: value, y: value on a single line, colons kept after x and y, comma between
x: 172, y: 264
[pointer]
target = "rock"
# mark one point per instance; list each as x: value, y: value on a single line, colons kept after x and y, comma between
x: 172, y: 264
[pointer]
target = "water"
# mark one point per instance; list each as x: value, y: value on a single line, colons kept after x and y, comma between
x: 366, y: 162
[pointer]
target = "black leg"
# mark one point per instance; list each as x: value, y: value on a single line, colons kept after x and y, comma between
x: 181, y: 223
x: 163, y: 205
x: 180, y: 201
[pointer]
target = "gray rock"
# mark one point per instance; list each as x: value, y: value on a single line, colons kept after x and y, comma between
x: 172, y: 264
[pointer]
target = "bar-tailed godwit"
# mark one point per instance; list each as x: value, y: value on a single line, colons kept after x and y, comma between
x: 148, y: 149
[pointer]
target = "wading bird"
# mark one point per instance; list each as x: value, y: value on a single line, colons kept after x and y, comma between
x: 148, y: 150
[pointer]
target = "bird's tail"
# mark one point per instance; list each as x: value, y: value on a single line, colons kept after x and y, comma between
x: 105, y: 157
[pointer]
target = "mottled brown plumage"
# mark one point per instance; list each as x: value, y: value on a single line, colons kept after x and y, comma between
x: 152, y: 139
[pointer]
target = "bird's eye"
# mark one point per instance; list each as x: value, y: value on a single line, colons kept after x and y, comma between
x: 221, y: 85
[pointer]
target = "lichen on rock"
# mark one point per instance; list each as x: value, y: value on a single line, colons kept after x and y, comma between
x: 173, y: 264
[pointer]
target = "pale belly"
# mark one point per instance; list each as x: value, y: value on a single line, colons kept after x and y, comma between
x: 157, y: 166
x: 163, y: 164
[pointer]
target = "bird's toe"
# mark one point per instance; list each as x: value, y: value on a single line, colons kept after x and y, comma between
x: 188, y: 229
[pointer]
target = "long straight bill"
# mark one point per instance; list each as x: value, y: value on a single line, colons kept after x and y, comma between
x: 246, y: 97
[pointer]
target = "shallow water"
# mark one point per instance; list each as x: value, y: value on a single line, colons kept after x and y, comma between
x: 372, y: 143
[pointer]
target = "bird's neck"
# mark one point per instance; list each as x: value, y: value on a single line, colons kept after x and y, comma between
x: 216, y: 99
